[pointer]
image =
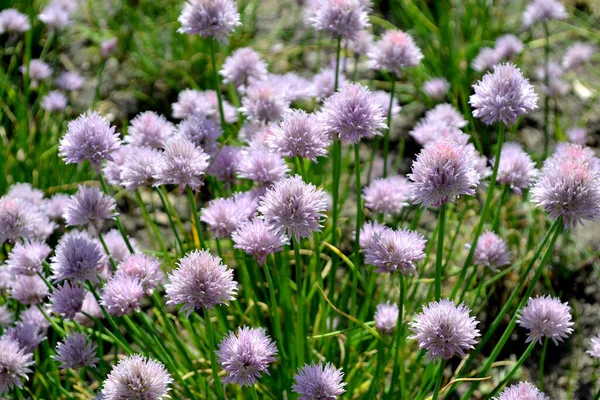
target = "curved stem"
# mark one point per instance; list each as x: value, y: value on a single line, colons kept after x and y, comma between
x: 386, y: 138
x: 440, y: 253
x: 483, y: 217
x: 211, y: 351
x: 514, y: 369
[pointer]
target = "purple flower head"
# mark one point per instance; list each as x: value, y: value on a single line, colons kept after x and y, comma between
x: 112, y: 168
x: 209, y: 18
x: 122, y: 295
x: 486, y: 59
x: 386, y: 317
x: 90, y: 307
x: 443, y: 171
x: 139, y: 168
x: 323, y: 83
x: 34, y: 317
x: 543, y: 11
x: 293, y: 207
x: 76, y: 352
x: 202, y: 132
x: 116, y: 245
x: 25, y: 191
x: 189, y: 102
x: 245, y: 356
x: 318, y: 382
x: 243, y: 67
x: 577, y: 55
x: 546, y: 317
x: 395, y: 51
x: 569, y: 186
x: 29, y: 289
x: 14, y: 362
x: 574, y: 152
x: 38, y: 70
x: 292, y: 86
x: 77, y: 257
x: 577, y: 135
x: 54, y: 101
x: 18, y: 219
x: 55, y: 16
x: 200, y: 281
x: 137, y: 377
x: 503, y: 95
x: 392, y: 251
x: 362, y: 43
x: 491, y: 251
x: 521, y: 391
x: 182, y: 164
x: 223, y: 216
x: 343, y: 18
x: 225, y: 164
x: 383, y: 99
x: 145, y: 268
x: 89, y: 206
x: 27, y: 336
x: 148, y: 129
x: 69, y: 81
x: 444, y: 330
x: 516, y: 168
x: 436, y: 88
x: 447, y: 114
x: 299, y: 135
x: 67, y: 299
x: 13, y: 22
x: 6, y: 280
x: 108, y: 47
x: 27, y: 258
x: 264, y: 103
x: 594, y: 350
x: 428, y: 131
x: 258, y: 240
x: 6, y: 316
x: 89, y: 137
x: 247, y: 202
x: 262, y: 165
x: 352, y: 114
x: 371, y: 230
x: 508, y: 46
x: 387, y: 195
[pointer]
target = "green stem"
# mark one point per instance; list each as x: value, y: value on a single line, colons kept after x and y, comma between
x: 440, y: 253
x: 398, y: 362
x: 496, y: 222
x: 484, y: 213
x: 117, y: 219
x: 337, y: 63
x: 358, y: 226
x: 438, y: 381
x: 542, y: 361
x: 300, y: 336
x: 386, y: 138
x: 253, y: 391
x: 546, y: 84
x: 194, y: 208
x: 336, y: 155
x: 213, y: 58
x: 275, y: 309
x: 146, y: 214
x: 99, y: 81
x: 211, y: 351
x: 514, y: 369
x: 107, y: 251
x: 171, y: 222
x: 375, y: 384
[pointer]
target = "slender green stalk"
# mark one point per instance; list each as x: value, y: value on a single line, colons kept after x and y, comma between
x: 211, y: 352
x: 546, y: 96
x: 399, y: 339
x: 117, y: 219
x: 375, y: 382
x: 439, y: 380
x: 514, y: 369
x: 275, y: 309
x: 300, y: 335
x: 542, y: 362
x: 355, y: 70
x: 194, y: 208
x: 253, y: 392
x: 171, y: 222
x: 107, y: 251
x: 146, y: 214
x: 440, y: 252
x: 358, y: 226
x: 337, y: 63
x: 496, y: 223
x: 484, y: 213
x: 386, y: 138
x: 213, y: 58
x: 99, y: 81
